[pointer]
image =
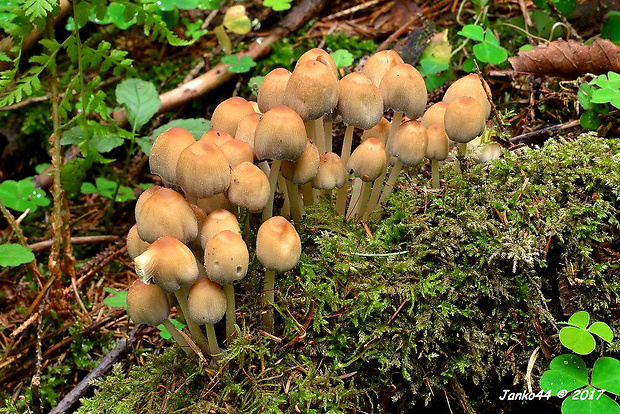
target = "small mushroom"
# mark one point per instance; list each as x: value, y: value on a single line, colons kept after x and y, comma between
x: 464, y: 120
x: 368, y: 162
x: 301, y: 173
x: 249, y: 187
x: 216, y: 136
x: 135, y: 245
x: 436, y: 150
x: 237, y: 151
x: 229, y: 113
x: 166, y: 151
x: 203, y: 170
x: 165, y: 213
x: 206, y: 305
x: 271, y: 92
x: 378, y: 64
x: 216, y: 222
x: 471, y: 86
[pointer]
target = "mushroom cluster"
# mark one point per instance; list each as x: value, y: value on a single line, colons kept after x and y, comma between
x: 187, y: 243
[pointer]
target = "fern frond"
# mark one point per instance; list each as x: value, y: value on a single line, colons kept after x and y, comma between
x: 36, y: 9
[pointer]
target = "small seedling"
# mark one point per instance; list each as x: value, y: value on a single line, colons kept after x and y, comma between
x: 107, y: 189
x: 236, y: 65
x: 488, y: 49
x: 21, y: 195
x: 568, y: 374
x: 596, y: 96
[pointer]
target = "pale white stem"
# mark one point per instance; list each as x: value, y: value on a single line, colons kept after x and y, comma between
x: 286, y: 207
x: 295, y: 199
x: 396, y: 120
x: 346, y: 144
x: 212, y: 339
x: 193, y: 327
x: 273, y: 180
x: 373, y: 201
x: 461, y: 152
x: 231, y: 318
x: 341, y: 198
x: 264, y: 166
x: 177, y: 336
x: 355, y: 197
x: 389, y: 186
x: 308, y: 193
x: 319, y: 135
x: 268, y: 299
x: 327, y: 133
x: 362, y: 204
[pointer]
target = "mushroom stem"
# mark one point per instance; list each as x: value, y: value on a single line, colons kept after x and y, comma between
x: 193, y: 327
x: 268, y: 299
x: 435, y: 173
x: 355, y: 197
x: 178, y: 337
x: 286, y: 207
x: 389, y: 186
x: 346, y: 144
x: 362, y: 201
x: 462, y: 150
x: 373, y: 201
x: 319, y: 135
x: 396, y: 120
x: 308, y: 193
x: 231, y: 317
x: 273, y: 180
x: 264, y: 166
x: 327, y: 133
x: 212, y: 339
x: 295, y: 199
x: 341, y: 198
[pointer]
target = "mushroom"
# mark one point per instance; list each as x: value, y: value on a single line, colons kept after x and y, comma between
x: 271, y: 91
x: 237, y: 151
x: 216, y: 222
x: 331, y: 174
x: 165, y: 213
x: 368, y: 162
x: 229, y: 113
x: 378, y: 64
x: 216, y: 136
x: 464, y: 120
x: 319, y: 55
x: 249, y: 187
x: 436, y: 150
x: 166, y: 151
x: 206, y: 305
x: 380, y: 131
x: 472, y: 86
x: 278, y: 248
x: 215, y: 202
x: 203, y: 170
x: 280, y: 135
x: 226, y: 261
x: 135, y: 245
x: 247, y: 128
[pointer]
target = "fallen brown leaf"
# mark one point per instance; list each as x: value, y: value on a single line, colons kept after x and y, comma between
x: 569, y: 59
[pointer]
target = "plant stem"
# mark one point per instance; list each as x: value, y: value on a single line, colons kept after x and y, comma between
x: 373, y: 201
x: 231, y: 318
x: 341, y: 198
x: 176, y: 334
x: 286, y: 207
x: 461, y: 152
x: 268, y: 299
x: 327, y: 133
x: 295, y: 199
x: 396, y: 120
x: 355, y: 197
x: 362, y: 203
x: 308, y: 193
x: 273, y: 180
x: 319, y: 135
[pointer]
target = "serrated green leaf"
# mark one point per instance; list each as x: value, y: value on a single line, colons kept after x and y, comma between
x: 566, y: 372
x: 599, y: 404
x: 117, y: 299
x: 606, y: 375
x: 579, y: 319
x: 578, y: 340
x: 602, y: 330
x: 140, y: 99
x: 342, y: 57
x: 15, y: 254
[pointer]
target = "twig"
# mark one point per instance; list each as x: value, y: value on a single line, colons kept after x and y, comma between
x: 564, y: 20
x: 123, y: 347
x: 543, y: 132
x: 526, y: 15
x: 398, y: 32
x: 36, y: 379
x: 352, y: 10
x: 490, y: 99
x: 26, y: 102
x: 45, y: 244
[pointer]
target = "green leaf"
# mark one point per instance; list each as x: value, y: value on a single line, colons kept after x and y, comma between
x: 140, y: 99
x: 117, y: 299
x: 599, y: 404
x: 39, y: 168
x: 15, y: 255
x: 584, y: 95
x: 610, y: 29
x: 278, y: 5
x: 236, y: 65
x: 472, y: 31
x: 468, y: 65
x: 602, y: 330
x: 431, y: 67
x: 255, y: 82
x: 88, y: 188
x: 606, y: 375
x: 580, y: 319
x: 342, y: 57
x: 21, y: 195
x: 164, y: 332
x: 121, y: 16
x: 589, y: 120
x: 566, y: 372
x: 236, y: 20
x: 490, y: 53
x: 578, y: 340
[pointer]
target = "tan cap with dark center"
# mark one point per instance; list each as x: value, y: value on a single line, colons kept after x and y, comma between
x: 464, y: 119
x: 203, y: 170
x: 226, y: 258
x: 206, y: 302
x: 228, y: 114
x: 305, y: 168
x: 278, y: 246
x: 147, y: 304
x: 360, y: 103
x: 249, y: 187
x: 378, y: 64
x: 280, y: 135
x: 271, y: 92
x: 166, y: 151
x: 166, y: 213
x: 312, y: 90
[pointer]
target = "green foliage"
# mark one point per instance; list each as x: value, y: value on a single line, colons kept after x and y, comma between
x: 163, y: 332
x: 596, y: 96
x: 117, y: 298
x: 445, y: 287
x: 15, y: 254
x: 141, y: 101
x: 278, y: 5
x: 566, y: 7
x: 239, y: 65
x: 611, y: 27
x: 343, y: 58
x: 568, y: 375
x: 108, y: 189
x: 21, y: 195
x: 487, y: 49
x: 353, y: 44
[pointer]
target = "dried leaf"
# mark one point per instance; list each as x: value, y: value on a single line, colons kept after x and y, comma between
x: 569, y: 59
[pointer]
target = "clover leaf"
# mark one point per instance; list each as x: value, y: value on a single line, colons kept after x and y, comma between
x: 343, y: 58
x: 117, y: 299
x: 107, y: 188
x: 566, y: 372
x: 236, y: 65
x: 15, y: 254
x: 278, y: 5
x: 21, y: 195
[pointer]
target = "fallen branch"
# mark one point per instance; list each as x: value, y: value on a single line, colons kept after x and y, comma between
x: 46, y: 244
x: 123, y: 347
x: 219, y: 74
x: 543, y: 132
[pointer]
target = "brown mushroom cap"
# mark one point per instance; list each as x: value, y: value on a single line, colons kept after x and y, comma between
x: 403, y: 89
x: 378, y: 64
x: 249, y: 187
x: 215, y: 202
x: 380, y: 131
x: 409, y: 144
x: 247, y: 128
x: 237, y: 151
x: 147, y: 304
x: 206, y: 302
x: 331, y: 174
x: 203, y: 170
x: 146, y: 194
x: 305, y: 168
x: 271, y: 92
x: 228, y: 113
x: 368, y: 161
x: 201, y: 216
x: 216, y: 136
x: 166, y: 151
x: 169, y: 263
x: 135, y: 245
x: 278, y: 246
x: 166, y: 213
x: 360, y: 103
x: 434, y: 114
x: 218, y: 221
x: 471, y: 86
x: 320, y: 56
x: 226, y: 258
x: 464, y: 119
x: 280, y: 135
x: 437, y: 147
x: 312, y: 90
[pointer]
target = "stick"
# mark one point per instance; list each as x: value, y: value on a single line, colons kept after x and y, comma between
x: 46, y: 244
x: 543, y: 132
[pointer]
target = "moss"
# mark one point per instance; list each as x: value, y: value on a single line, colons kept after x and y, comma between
x: 455, y: 284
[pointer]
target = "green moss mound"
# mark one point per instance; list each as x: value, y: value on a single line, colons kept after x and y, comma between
x: 449, y: 297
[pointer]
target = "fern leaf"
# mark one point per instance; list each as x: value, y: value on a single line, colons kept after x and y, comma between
x: 35, y: 9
